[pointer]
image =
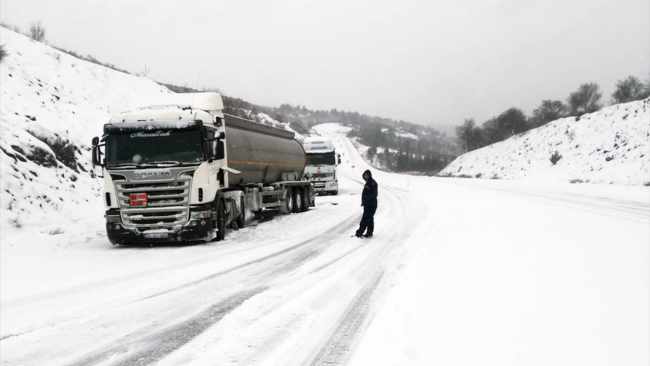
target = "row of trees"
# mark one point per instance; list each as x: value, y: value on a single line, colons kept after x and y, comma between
x: 427, y: 153
x: 406, y: 162
x: 587, y: 99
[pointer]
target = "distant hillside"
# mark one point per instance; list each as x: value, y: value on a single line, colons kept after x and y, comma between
x: 415, y: 148
x: 611, y: 146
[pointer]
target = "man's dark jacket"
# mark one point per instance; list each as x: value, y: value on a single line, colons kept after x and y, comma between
x: 370, y: 190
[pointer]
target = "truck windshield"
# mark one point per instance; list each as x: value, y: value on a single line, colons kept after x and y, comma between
x: 321, y: 159
x: 167, y: 147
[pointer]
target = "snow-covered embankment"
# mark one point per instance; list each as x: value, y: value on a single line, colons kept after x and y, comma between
x: 51, y: 105
x: 611, y: 146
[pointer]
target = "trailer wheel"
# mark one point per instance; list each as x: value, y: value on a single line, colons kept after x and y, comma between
x: 286, y: 206
x: 297, y: 200
x: 305, y: 199
x: 241, y: 220
x: 221, y: 221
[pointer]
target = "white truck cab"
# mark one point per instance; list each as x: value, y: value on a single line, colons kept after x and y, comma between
x: 322, y: 160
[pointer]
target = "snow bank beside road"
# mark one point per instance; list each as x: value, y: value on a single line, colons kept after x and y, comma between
x: 52, y: 104
x: 611, y: 146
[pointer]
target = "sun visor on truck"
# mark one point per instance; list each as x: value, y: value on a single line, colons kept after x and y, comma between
x: 157, y: 125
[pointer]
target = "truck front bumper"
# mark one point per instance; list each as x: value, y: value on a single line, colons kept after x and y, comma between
x: 326, y: 186
x: 196, y: 229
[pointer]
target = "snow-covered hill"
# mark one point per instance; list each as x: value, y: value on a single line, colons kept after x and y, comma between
x: 51, y: 105
x: 611, y: 146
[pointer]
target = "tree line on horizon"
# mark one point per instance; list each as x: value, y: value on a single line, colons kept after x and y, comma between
x: 513, y: 121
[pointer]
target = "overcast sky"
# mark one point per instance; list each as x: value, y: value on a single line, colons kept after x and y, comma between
x: 428, y: 61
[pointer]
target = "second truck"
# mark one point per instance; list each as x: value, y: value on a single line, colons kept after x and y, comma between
x: 182, y: 170
x: 322, y: 160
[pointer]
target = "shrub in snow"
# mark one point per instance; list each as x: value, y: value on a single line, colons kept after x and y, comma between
x: 3, y: 52
x: 42, y: 157
x: 37, y: 32
x: 64, y: 150
x: 15, y: 222
x: 555, y: 157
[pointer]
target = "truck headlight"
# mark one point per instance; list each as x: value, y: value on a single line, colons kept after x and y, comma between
x: 200, y: 215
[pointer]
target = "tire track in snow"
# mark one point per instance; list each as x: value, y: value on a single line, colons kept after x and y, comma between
x: 154, y: 347
x: 328, y: 234
x: 337, y: 348
x: 325, y: 235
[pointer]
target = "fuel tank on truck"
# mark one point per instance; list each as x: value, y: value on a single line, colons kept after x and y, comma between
x: 261, y: 153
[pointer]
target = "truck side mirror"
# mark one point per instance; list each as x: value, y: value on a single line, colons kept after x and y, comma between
x: 96, y: 153
x: 220, y: 152
x: 339, y: 157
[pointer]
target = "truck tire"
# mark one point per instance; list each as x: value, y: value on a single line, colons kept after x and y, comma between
x: 241, y: 220
x: 286, y: 206
x: 221, y: 221
x: 305, y: 199
x: 297, y: 200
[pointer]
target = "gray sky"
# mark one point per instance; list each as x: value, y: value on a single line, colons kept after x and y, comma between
x: 428, y: 61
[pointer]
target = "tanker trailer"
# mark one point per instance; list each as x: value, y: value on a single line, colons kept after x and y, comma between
x: 182, y: 170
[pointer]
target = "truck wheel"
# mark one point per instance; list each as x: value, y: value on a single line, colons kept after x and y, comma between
x: 297, y: 200
x: 221, y: 221
x: 241, y: 221
x: 305, y: 199
x: 286, y: 206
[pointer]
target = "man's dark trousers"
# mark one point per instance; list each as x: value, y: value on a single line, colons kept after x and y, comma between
x: 367, y: 220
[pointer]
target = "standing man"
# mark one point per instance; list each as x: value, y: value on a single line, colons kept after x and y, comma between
x: 369, y: 203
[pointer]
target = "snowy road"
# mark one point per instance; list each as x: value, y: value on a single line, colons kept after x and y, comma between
x: 510, y: 270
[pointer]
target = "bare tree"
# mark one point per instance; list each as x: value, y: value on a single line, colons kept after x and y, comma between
x: 490, y: 132
x: 512, y: 122
x: 585, y: 100
x: 466, y: 133
x: 37, y: 32
x: 145, y: 71
x: 629, y: 90
x: 550, y: 110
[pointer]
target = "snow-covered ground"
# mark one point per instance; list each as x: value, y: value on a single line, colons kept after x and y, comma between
x: 611, y: 146
x: 455, y: 275
x: 460, y: 272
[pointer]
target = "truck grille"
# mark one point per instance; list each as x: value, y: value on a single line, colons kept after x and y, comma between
x: 167, y: 206
x: 320, y: 175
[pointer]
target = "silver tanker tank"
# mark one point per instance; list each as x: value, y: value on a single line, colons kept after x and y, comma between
x: 261, y: 153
